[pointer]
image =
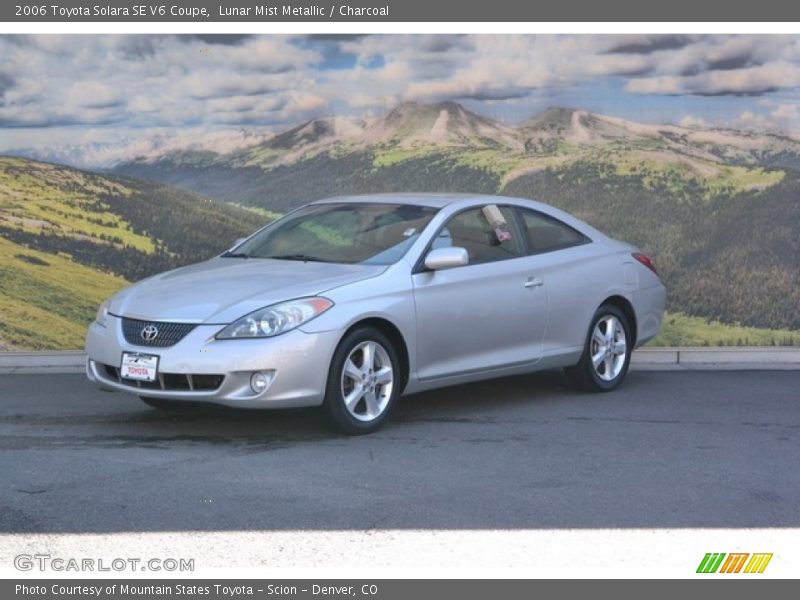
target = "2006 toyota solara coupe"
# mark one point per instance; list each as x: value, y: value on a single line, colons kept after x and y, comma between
x: 347, y: 303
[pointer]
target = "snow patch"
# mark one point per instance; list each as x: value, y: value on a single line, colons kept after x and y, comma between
x: 578, y: 131
x: 438, y: 132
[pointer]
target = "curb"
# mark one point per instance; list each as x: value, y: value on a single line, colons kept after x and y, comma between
x: 27, y: 363
x: 645, y: 359
x: 716, y: 359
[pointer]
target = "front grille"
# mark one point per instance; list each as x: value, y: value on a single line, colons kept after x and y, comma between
x: 166, y: 381
x: 165, y: 334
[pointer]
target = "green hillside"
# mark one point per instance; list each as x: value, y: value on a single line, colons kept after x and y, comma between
x: 283, y: 187
x: 68, y: 239
x: 682, y: 330
x: 47, y: 300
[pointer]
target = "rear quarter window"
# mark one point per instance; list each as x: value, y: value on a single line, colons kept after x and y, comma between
x: 546, y: 234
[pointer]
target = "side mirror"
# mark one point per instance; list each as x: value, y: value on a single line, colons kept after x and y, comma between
x: 446, y: 258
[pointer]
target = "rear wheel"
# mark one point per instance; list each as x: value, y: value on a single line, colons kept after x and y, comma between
x: 363, y: 383
x: 606, y: 354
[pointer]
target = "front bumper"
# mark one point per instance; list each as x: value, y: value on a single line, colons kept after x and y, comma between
x: 201, y: 368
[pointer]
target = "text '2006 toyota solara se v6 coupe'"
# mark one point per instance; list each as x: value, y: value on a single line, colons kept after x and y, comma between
x: 349, y: 302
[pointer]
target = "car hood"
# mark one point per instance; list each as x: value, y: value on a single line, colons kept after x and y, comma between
x: 221, y: 290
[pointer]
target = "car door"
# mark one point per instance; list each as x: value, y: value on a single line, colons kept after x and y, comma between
x: 486, y: 314
x: 569, y: 269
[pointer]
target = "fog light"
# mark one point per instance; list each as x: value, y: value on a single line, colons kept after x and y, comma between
x: 259, y: 382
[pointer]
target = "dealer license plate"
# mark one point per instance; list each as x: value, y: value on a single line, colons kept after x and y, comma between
x: 139, y: 367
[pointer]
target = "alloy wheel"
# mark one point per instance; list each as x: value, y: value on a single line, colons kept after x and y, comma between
x: 609, y: 349
x: 367, y: 381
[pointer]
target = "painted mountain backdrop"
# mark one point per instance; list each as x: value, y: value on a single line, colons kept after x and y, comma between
x: 718, y: 209
x: 69, y: 239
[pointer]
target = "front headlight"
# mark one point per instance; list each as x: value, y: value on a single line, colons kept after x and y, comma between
x: 102, y: 314
x: 276, y: 319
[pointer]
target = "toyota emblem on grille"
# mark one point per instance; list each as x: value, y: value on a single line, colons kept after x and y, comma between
x: 149, y: 333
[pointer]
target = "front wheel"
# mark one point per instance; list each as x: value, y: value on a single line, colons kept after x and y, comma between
x: 606, y: 354
x: 363, y: 383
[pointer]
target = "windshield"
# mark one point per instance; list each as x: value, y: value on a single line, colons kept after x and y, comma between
x: 375, y: 234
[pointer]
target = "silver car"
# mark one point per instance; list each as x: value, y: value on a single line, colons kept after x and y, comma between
x: 349, y: 302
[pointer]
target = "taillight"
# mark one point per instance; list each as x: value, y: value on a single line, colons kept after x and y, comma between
x: 646, y: 261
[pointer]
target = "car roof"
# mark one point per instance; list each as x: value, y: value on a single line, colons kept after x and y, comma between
x: 442, y: 200
x: 435, y: 200
x: 418, y: 199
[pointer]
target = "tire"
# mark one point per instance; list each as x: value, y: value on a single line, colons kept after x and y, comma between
x: 167, y: 405
x: 611, y: 359
x: 364, y: 382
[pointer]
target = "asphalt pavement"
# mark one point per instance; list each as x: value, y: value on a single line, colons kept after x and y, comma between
x: 668, y: 449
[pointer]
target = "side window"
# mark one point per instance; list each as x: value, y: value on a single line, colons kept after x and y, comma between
x: 472, y: 230
x: 546, y: 233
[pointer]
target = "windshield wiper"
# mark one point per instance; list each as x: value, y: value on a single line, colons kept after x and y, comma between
x: 234, y: 255
x: 303, y: 257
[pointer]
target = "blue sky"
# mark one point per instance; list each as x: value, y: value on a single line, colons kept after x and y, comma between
x: 95, y: 100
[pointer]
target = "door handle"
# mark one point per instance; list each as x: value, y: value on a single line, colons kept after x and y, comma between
x: 533, y: 282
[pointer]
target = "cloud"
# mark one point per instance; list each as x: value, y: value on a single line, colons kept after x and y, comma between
x: 751, y: 81
x: 727, y: 64
x: 335, y: 37
x: 496, y: 67
x: 6, y: 82
x: 369, y: 102
x: 692, y: 122
x: 751, y: 120
x: 224, y: 39
x: 438, y: 44
x: 650, y: 44
x: 93, y: 94
x: 786, y: 112
x: 96, y: 148
x: 724, y: 65
x: 144, y: 83
x: 223, y: 84
x: 781, y: 118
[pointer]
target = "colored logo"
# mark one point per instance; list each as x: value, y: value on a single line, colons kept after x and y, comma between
x: 736, y: 562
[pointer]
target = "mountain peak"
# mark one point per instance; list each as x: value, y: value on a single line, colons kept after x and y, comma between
x: 417, y: 110
x: 572, y: 125
x: 443, y: 123
x: 316, y: 131
x: 553, y: 117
